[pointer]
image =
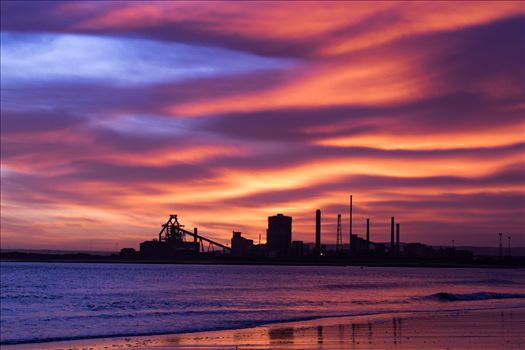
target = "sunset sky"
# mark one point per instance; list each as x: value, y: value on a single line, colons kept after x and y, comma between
x: 116, y: 114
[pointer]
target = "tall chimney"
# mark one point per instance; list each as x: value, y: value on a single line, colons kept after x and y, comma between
x: 318, y: 230
x: 398, y: 247
x: 392, y: 234
x: 350, y: 226
x: 368, y: 230
x: 195, y: 233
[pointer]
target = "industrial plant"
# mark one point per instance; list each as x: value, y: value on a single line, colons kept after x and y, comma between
x: 176, y: 242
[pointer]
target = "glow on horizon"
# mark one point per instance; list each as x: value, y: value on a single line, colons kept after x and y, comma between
x: 115, y: 116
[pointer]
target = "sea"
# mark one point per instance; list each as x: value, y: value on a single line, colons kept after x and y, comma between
x: 42, y: 302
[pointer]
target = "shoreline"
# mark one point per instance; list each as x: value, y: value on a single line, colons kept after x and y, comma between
x: 227, y: 262
x: 301, y: 334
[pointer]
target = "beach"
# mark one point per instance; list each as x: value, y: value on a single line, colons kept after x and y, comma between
x: 139, y: 306
x: 474, y: 329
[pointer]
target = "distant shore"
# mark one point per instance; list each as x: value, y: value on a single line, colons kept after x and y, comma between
x: 479, y: 329
x: 321, y: 261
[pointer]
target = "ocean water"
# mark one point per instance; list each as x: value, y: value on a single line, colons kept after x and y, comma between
x: 58, y: 301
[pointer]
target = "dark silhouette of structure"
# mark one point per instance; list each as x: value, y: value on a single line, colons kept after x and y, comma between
x: 298, y: 249
x: 172, y: 241
x: 176, y: 244
x: 241, y: 247
x: 127, y: 252
x: 339, y: 239
x: 419, y: 250
x: 318, y: 230
x: 358, y: 246
x: 279, y: 235
x: 350, y: 226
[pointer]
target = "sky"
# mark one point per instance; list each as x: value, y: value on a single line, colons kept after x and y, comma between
x: 116, y: 114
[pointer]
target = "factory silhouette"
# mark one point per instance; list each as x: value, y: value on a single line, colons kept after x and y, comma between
x: 175, y: 242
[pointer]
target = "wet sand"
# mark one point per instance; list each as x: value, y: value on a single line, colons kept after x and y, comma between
x: 487, y: 329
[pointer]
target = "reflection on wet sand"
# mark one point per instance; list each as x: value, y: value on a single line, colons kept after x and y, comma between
x: 319, y: 334
x: 490, y: 329
x: 480, y: 329
x: 281, y: 335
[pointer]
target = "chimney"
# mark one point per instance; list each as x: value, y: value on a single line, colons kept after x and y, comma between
x: 392, y: 234
x: 318, y: 230
x: 350, y: 226
x: 195, y: 233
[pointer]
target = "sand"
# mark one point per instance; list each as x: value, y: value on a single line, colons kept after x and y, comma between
x: 487, y: 329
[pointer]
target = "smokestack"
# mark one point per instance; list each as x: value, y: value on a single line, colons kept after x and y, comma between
x: 368, y: 230
x: 318, y: 229
x: 392, y: 234
x: 195, y: 233
x: 397, y: 239
x: 350, y: 227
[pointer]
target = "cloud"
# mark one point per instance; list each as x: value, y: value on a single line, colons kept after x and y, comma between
x: 14, y: 122
x: 304, y: 29
x: 400, y: 73
x: 69, y: 57
x: 228, y: 112
x: 363, y: 184
x: 100, y: 98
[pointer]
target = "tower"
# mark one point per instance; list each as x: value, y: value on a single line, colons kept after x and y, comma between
x: 350, y: 226
x: 318, y: 230
x: 279, y: 234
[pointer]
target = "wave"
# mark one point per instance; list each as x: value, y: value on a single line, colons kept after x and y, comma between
x: 240, y: 324
x: 361, y: 286
x: 443, y: 296
x: 225, y: 326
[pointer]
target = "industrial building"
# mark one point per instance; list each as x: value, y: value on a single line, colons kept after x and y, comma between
x: 241, y: 247
x: 169, y: 245
x: 298, y: 249
x: 358, y: 245
x: 279, y: 235
x: 174, y: 241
